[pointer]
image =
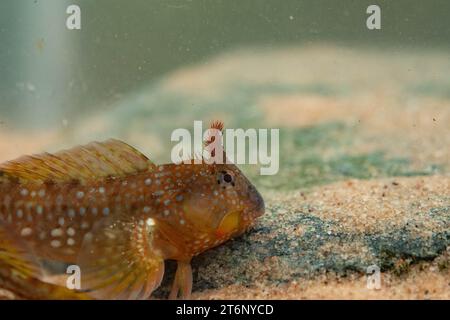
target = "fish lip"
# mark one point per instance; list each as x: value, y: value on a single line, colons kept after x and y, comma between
x: 260, y: 210
x: 260, y: 206
x: 257, y: 202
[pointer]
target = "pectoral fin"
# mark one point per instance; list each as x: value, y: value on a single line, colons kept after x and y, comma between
x: 119, y: 261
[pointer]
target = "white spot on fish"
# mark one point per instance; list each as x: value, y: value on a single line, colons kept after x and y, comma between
x: 182, y: 222
x: 71, y: 232
x: 101, y: 190
x: 55, y: 243
x: 150, y: 222
x: 26, y: 232
x: 24, y: 192
x: 39, y: 210
x: 41, y: 193
x: 80, y: 194
x: 146, y: 209
x: 61, y: 221
x: 110, y: 235
x: 148, y: 181
x: 70, y: 242
x: 56, y: 232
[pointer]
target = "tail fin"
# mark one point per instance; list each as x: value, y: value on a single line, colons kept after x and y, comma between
x: 20, y: 273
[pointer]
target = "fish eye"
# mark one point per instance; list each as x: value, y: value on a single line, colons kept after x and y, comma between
x: 225, y: 178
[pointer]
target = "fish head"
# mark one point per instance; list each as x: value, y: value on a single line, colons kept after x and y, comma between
x: 222, y: 201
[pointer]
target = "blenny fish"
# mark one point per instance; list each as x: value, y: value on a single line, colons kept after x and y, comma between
x: 107, y: 208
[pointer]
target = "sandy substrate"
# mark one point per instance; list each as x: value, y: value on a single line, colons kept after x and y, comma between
x: 423, y: 282
x: 359, y: 206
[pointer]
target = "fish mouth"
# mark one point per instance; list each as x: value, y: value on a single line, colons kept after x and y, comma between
x: 259, y: 210
x: 257, y: 201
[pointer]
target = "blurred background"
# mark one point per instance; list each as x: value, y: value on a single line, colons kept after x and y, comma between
x: 49, y: 72
x: 138, y: 69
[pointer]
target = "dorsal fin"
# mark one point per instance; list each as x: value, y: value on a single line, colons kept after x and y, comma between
x: 111, y: 158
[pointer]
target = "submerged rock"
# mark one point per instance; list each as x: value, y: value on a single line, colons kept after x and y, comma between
x: 342, y: 228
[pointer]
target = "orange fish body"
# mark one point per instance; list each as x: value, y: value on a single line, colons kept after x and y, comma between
x: 107, y: 208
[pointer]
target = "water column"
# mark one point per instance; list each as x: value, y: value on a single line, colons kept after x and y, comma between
x: 46, y: 62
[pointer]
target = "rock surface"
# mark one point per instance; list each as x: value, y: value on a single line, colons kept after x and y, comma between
x: 335, y: 231
x: 341, y: 228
